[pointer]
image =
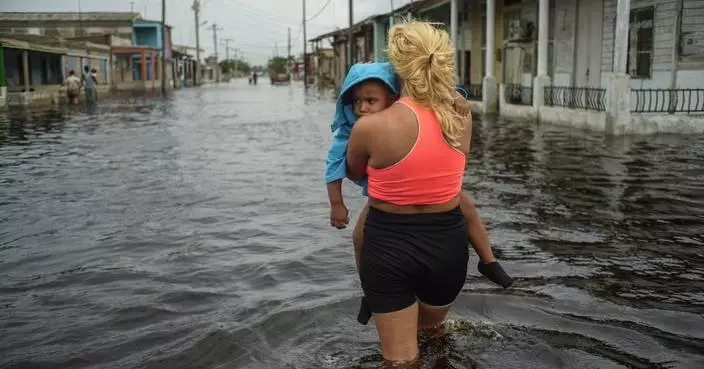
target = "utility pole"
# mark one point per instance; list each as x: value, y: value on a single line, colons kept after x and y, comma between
x: 288, y: 55
x: 215, y: 45
x: 305, y: 48
x: 163, y: 46
x: 131, y: 6
x: 236, y: 61
x: 227, y: 50
x: 196, y: 10
x: 350, y: 37
x: 391, y: 18
x: 80, y: 18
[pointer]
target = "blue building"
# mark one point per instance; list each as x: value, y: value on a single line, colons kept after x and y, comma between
x: 149, y: 34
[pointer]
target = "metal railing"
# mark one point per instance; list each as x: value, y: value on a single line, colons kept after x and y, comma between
x: 663, y: 100
x: 515, y: 93
x: 576, y: 97
x: 474, y: 92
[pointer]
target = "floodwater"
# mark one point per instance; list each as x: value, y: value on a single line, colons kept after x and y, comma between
x: 192, y: 232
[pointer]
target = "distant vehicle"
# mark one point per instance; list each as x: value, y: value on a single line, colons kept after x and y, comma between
x: 280, y: 78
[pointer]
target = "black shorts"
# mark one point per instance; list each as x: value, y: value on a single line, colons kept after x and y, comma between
x: 409, y: 257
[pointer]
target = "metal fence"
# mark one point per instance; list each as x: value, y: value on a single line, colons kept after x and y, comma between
x: 474, y: 92
x: 662, y: 100
x: 515, y: 93
x: 576, y: 97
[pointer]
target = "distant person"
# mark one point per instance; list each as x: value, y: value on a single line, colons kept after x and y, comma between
x: 73, y: 87
x: 89, y: 86
x: 254, y: 78
x: 94, y: 75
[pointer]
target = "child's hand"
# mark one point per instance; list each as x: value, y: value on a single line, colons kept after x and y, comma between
x: 339, y: 216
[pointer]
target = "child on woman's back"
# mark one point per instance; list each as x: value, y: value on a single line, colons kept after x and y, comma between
x: 370, y: 88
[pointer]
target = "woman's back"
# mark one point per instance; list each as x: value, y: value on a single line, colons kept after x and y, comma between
x: 410, y: 162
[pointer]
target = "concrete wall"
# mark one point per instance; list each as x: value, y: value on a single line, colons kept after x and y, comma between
x: 134, y: 85
x: 515, y: 112
x: 67, y: 28
x: 42, y: 94
x: 578, y: 118
x: 647, y: 124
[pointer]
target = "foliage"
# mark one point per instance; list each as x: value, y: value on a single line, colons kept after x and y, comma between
x: 231, y: 65
x: 277, y: 64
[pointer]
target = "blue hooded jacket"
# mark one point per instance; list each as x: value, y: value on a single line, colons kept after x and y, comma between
x: 344, y: 119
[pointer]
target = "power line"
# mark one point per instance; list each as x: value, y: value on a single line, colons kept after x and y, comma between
x: 319, y: 11
x: 273, y: 18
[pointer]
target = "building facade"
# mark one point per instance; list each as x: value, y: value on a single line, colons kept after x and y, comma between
x: 623, y: 66
x: 68, y: 24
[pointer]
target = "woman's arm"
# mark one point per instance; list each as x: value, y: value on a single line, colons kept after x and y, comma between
x: 357, y: 149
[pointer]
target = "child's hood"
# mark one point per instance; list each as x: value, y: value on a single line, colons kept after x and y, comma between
x: 359, y: 73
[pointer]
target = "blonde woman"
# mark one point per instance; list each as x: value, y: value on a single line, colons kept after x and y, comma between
x: 414, y: 260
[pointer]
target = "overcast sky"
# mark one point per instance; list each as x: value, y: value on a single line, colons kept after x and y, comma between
x: 255, y: 26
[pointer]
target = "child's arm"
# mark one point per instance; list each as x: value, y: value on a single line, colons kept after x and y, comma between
x: 335, y: 171
x: 339, y: 215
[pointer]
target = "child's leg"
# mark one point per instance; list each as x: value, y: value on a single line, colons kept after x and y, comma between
x: 358, y: 233
x: 478, y: 237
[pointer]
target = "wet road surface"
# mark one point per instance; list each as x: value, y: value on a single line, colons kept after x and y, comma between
x: 191, y: 232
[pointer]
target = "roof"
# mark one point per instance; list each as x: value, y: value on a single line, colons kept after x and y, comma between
x: 24, y: 44
x: 178, y: 54
x: 149, y: 21
x: 410, y: 7
x: 51, y: 44
x: 68, y: 16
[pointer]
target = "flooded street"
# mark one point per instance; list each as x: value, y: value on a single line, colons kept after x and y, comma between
x: 192, y: 232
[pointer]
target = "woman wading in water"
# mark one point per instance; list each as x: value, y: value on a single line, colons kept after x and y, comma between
x: 413, y: 261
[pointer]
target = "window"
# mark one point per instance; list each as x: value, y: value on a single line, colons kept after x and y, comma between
x: 639, y: 61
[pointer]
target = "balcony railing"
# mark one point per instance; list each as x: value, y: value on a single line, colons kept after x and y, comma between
x: 662, y: 100
x: 518, y: 94
x: 576, y: 97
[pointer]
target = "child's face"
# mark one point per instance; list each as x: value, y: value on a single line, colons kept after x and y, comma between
x: 371, y: 97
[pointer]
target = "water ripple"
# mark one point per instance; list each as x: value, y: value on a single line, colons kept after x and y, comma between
x: 191, y: 232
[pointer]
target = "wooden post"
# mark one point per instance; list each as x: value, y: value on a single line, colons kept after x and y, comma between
x: 143, y: 67
x: 153, y: 70
x: 2, y: 68
x: 25, y: 69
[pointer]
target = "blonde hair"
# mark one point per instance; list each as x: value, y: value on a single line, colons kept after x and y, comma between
x: 423, y: 57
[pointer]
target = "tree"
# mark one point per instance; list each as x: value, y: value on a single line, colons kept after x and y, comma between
x: 277, y: 64
x: 230, y: 65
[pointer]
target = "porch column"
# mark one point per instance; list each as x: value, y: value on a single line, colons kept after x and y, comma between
x: 3, y: 87
x: 378, y: 41
x: 109, y: 68
x: 618, y: 91
x: 159, y: 66
x: 453, y: 36
x: 25, y: 69
x: 152, y: 68
x: 542, y: 79
x: 143, y: 67
x: 489, y: 84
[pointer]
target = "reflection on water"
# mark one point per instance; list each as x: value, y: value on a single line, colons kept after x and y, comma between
x: 190, y: 232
